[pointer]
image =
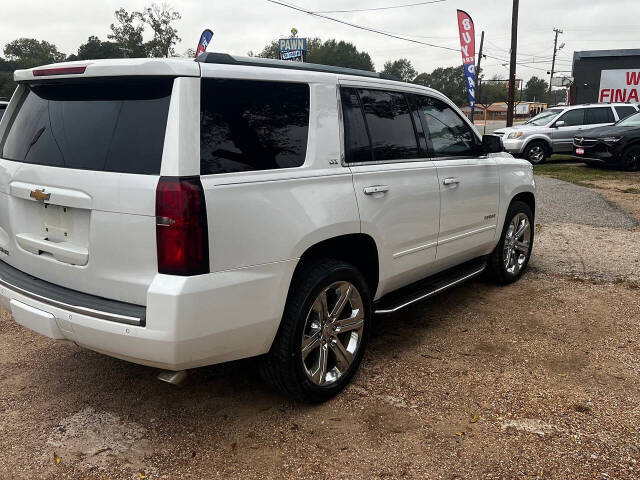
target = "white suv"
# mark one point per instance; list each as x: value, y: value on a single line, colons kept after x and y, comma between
x: 179, y: 214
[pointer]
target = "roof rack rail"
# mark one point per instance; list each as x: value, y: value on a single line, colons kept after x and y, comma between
x: 226, y: 59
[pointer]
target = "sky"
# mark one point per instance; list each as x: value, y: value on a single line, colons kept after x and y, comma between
x: 241, y: 26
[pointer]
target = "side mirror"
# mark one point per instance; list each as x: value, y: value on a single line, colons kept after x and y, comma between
x: 559, y: 123
x: 491, y: 144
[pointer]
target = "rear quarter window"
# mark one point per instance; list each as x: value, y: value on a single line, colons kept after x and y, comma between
x: 252, y: 125
x: 624, y: 111
x: 112, y: 125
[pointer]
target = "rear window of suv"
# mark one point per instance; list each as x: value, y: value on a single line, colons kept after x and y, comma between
x: 252, y: 125
x: 111, y: 125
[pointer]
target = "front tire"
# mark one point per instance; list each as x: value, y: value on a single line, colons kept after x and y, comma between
x: 508, y: 261
x: 631, y: 159
x: 536, y: 152
x: 323, y: 333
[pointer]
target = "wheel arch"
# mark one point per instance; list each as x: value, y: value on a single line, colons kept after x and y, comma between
x: 528, y: 198
x: 359, y: 249
x: 539, y: 139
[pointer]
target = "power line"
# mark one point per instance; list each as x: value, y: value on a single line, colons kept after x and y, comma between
x: 380, y: 8
x: 368, y: 29
x: 382, y: 32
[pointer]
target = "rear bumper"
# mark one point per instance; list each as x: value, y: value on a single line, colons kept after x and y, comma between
x: 189, y: 321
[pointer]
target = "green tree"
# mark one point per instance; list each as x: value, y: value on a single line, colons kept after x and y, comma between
x: 95, y: 48
x: 535, y: 90
x: 165, y: 36
x: 29, y: 53
x: 400, y: 68
x: 330, y: 52
x: 450, y: 81
x: 126, y: 32
x: 492, y: 91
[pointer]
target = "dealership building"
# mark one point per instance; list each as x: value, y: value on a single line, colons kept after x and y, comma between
x: 602, y: 76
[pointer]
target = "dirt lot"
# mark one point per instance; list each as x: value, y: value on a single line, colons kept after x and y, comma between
x: 536, y: 380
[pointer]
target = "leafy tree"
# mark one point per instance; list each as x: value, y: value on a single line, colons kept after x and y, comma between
x: 535, y: 90
x: 126, y: 32
x: 330, y: 52
x: 7, y: 85
x: 165, y: 35
x: 450, y: 81
x: 29, y: 53
x: 493, y: 91
x: 96, y: 48
x: 401, y: 68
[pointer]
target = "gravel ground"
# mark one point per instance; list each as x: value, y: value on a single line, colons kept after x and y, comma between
x: 535, y: 380
x: 562, y: 202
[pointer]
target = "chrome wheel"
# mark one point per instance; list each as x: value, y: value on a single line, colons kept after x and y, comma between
x: 332, y: 333
x: 517, y: 243
x: 536, y: 154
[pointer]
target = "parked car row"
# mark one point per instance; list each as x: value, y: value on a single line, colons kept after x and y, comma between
x: 553, y: 130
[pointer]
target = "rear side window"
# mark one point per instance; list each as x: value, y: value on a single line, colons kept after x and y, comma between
x: 624, y: 112
x: 356, y: 138
x: 449, y: 135
x: 252, y: 125
x: 573, y: 118
x: 599, y: 115
x: 390, y: 126
x: 111, y: 125
x: 2, y: 110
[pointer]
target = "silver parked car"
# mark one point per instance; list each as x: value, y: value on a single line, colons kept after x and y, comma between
x: 552, y: 131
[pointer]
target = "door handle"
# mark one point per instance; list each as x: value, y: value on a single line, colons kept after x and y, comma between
x: 376, y: 189
x: 451, y: 181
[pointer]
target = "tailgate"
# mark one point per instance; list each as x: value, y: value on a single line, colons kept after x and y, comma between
x: 79, y: 166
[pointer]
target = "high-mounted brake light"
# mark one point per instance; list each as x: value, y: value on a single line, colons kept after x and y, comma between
x: 45, y: 72
x: 181, y: 226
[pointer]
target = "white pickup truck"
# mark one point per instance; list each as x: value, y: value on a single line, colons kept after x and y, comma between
x: 182, y: 213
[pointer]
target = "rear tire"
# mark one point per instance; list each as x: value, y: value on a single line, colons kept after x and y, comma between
x: 508, y: 261
x: 631, y: 159
x: 537, y: 152
x: 323, y: 333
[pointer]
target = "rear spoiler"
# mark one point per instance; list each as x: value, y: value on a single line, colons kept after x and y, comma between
x: 111, y: 68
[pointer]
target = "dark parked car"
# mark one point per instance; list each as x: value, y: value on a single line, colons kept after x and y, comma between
x: 617, y: 145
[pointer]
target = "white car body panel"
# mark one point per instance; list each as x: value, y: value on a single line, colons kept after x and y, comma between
x: 260, y: 224
x: 403, y: 220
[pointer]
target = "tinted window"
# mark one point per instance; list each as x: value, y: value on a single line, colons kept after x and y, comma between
x: 573, y: 118
x: 448, y: 133
x: 599, y: 115
x: 2, y: 110
x: 356, y: 138
x: 252, y: 125
x: 390, y: 126
x: 108, y: 125
x: 622, y: 112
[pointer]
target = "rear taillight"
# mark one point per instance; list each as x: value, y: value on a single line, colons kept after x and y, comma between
x: 181, y: 226
x: 45, y: 72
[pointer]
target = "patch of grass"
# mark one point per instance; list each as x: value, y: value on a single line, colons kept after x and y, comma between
x: 583, y: 174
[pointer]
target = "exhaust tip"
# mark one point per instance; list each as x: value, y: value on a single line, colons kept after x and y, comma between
x: 174, y: 378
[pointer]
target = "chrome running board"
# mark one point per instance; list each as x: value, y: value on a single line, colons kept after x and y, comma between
x: 429, y: 287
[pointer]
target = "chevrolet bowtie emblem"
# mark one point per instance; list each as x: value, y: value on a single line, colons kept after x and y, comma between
x: 40, y: 196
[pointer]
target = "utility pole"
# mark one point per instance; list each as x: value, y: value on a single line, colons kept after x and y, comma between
x: 512, y: 66
x: 477, y: 86
x: 555, y: 50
